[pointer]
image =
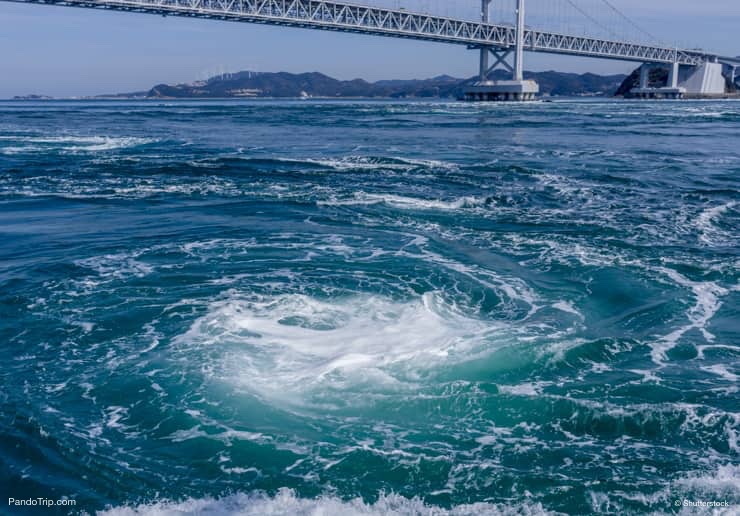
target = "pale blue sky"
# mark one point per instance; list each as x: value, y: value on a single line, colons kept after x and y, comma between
x: 65, y: 52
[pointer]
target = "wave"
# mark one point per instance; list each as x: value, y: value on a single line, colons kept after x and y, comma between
x: 287, y: 502
x: 131, y: 187
x: 404, y: 202
x: 708, y: 297
x: 116, y: 266
x: 70, y: 144
x: 720, y: 485
x: 710, y: 234
x: 377, y: 162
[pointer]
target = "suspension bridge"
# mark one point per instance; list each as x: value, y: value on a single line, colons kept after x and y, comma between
x: 501, y: 30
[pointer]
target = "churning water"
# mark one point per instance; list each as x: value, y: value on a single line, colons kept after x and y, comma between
x: 370, y: 307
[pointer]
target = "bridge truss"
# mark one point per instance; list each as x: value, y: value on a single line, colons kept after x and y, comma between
x: 345, y: 17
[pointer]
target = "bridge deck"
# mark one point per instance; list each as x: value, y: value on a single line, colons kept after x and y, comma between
x: 318, y: 14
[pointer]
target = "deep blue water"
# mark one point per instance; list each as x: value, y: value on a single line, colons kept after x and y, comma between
x: 365, y: 307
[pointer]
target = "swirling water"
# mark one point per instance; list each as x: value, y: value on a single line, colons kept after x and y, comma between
x: 368, y: 307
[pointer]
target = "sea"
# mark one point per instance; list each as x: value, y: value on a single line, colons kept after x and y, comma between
x: 370, y: 307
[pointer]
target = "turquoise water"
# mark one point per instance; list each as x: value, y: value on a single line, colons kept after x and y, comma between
x: 366, y: 307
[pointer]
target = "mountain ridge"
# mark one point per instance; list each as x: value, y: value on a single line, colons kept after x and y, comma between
x: 248, y: 84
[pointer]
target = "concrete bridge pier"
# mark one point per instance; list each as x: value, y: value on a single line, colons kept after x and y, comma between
x: 645, y: 76
x: 671, y: 90
x: 733, y: 76
x: 703, y: 80
x: 673, y: 70
x: 516, y: 89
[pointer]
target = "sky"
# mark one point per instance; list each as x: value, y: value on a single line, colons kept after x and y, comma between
x: 63, y: 51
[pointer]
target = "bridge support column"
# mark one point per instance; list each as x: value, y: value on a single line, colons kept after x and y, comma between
x: 483, y: 64
x: 516, y: 89
x: 519, y: 53
x: 644, y: 76
x: 673, y: 76
x: 732, y: 76
x: 670, y: 91
x: 706, y: 80
x: 484, y: 50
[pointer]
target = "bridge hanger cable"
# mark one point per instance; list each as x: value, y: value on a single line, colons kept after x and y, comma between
x: 631, y: 22
x: 592, y: 19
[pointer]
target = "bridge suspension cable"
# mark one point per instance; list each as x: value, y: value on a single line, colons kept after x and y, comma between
x: 592, y: 19
x: 631, y: 22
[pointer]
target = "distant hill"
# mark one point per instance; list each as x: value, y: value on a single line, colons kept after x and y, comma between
x: 282, y: 84
x: 657, y: 78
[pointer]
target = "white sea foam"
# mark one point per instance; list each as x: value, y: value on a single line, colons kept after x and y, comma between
x: 710, y: 234
x: 114, y: 416
x: 719, y: 485
x: 524, y: 389
x: 70, y: 144
x: 132, y: 187
x: 376, y: 163
x: 696, y: 421
x: 648, y: 376
x: 724, y: 482
x: 285, y: 346
x: 708, y: 301
x: 510, y: 289
x: 565, y: 251
x: 567, y: 307
x: 240, y: 471
x: 116, y: 266
x: 722, y: 371
x: 287, y: 503
x: 716, y: 347
x: 227, y: 435
x: 403, y: 202
x: 208, y: 186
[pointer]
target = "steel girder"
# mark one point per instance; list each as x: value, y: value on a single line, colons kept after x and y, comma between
x: 327, y: 15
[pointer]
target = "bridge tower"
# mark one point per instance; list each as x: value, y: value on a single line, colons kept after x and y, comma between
x: 517, y: 88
